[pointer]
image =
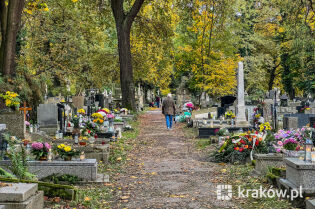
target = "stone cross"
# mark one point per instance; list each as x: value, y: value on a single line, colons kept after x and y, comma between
x: 25, y: 109
x: 240, y: 117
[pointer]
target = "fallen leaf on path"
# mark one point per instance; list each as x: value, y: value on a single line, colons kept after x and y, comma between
x: 124, y: 197
x: 133, y: 177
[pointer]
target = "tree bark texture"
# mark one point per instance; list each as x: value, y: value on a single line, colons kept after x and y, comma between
x: 10, y: 16
x: 123, y: 25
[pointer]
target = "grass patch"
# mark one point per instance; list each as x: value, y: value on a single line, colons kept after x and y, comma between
x: 202, y: 143
x: 241, y: 175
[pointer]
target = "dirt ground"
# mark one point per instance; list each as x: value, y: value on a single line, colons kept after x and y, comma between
x: 167, y: 171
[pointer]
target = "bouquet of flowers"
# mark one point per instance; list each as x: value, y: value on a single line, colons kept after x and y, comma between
x: 98, y: 121
x: 76, y: 121
x: 289, y: 140
x: 229, y: 115
x: 11, y: 99
x: 81, y: 111
x: 264, y: 127
x: 97, y: 116
x: 238, y: 147
x: 66, y: 152
x: 124, y: 110
x: 40, y: 150
x: 290, y: 144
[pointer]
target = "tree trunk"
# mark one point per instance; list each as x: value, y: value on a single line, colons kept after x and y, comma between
x: 123, y: 27
x: 126, y: 71
x: 10, y: 22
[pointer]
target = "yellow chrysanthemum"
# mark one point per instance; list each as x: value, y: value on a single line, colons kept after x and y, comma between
x: 67, y: 148
x: 8, y: 102
x: 81, y: 111
x: 60, y: 146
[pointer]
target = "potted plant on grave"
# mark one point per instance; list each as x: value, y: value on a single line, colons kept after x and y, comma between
x: 11, y: 101
x: 66, y: 152
x: 290, y: 146
x: 40, y: 150
x: 83, y: 140
x: 76, y: 125
x: 229, y: 116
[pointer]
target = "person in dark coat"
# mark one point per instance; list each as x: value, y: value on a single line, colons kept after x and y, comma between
x: 168, y: 109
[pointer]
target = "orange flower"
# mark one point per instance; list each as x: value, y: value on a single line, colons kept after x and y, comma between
x: 236, y: 148
x: 254, y: 136
x: 250, y: 139
x: 260, y: 139
x: 245, y: 146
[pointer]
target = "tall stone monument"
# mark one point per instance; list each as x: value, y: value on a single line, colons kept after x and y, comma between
x: 240, y: 117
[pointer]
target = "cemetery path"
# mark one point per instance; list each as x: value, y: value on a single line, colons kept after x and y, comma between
x: 167, y: 171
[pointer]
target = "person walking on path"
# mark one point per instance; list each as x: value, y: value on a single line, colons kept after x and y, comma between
x: 157, y: 101
x: 168, y: 109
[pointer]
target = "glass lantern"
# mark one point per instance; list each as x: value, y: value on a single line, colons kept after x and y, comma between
x: 308, y: 150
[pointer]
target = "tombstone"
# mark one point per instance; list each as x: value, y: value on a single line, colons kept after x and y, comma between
x: 15, y: 123
x: 312, y: 122
x: 47, y: 118
x: 78, y: 101
x: 21, y: 195
x: 284, y: 100
x: 203, y: 102
x: 290, y: 123
x: 3, y: 142
x: 267, y: 110
x: 249, y: 112
x: 101, y: 99
x: 303, y: 119
x: 299, y: 175
x: 272, y: 94
x: 240, y: 117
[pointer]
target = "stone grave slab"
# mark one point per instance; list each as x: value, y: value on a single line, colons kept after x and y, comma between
x: 15, y: 124
x: 85, y: 169
x: 21, y: 196
x: 310, y: 204
x: 120, y: 125
x: 263, y: 161
x: 299, y: 174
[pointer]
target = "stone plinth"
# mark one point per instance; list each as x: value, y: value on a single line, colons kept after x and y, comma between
x: 263, y: 161
x: 310, y: 204
x: 120, y: 125
x: 299, y: 174
x: 15, y: 124
x: 21, y: 196
x: 86, y: 169
x: 2, y: 127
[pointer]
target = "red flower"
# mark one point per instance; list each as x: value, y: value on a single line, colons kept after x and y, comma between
x: 236, y: 148
x: 89, y: 131
x: 241, y: 149
x: 256, y: 132
x: 242, y: 141
x: 257, y: 142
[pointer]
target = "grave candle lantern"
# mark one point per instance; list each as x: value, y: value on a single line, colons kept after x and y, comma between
x: 82, y: 156
x: 308, y: 150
